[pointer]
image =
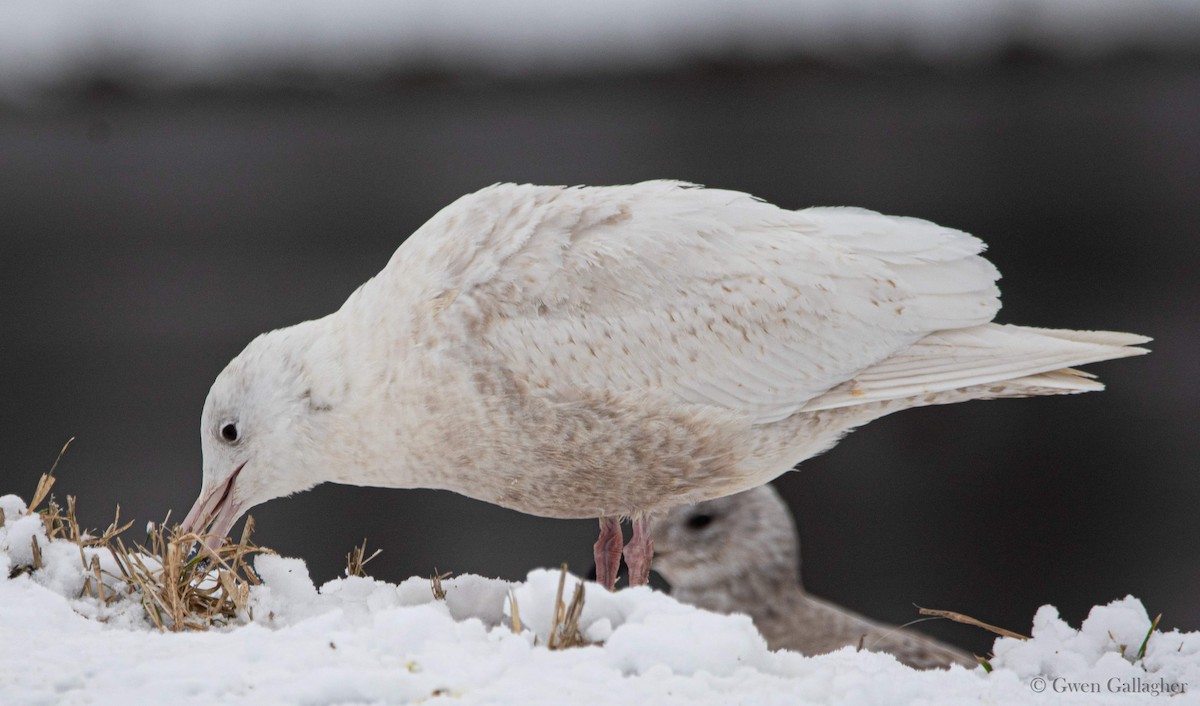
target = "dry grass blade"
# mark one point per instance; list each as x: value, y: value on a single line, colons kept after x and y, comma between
x: 357, y: 559
x: 960, y: 618
x: 71, y: 526
x: 42, y: 492
x: 571, y: 627
x: 435, y: 583
x: 516, y: 612
x: 60, y: 525
x: 240, y: 551
x: 47, y: 480
x: 37, y: 553
x: 564, y: 629
x: 96, y: 574
x: 114, y: 528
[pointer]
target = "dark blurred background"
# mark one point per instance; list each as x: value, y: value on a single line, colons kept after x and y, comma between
x: 157, y: 213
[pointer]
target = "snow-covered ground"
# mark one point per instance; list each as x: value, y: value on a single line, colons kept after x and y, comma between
x: 361, y: 641
x: 46, y: 42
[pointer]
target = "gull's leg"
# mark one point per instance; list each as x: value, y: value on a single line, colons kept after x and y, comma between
x: 608, y: 552
x: 639, y: 552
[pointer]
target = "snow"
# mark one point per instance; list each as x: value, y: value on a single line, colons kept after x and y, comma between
x: 1104, y: 647
x: 357, y: 640
x: 44, y: 42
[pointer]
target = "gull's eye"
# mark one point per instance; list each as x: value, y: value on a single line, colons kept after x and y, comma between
x: 699, y: 521
x: 229, y: 432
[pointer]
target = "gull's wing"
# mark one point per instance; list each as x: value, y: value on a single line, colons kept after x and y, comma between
x: 711, y: 296
x: 1011, y: 361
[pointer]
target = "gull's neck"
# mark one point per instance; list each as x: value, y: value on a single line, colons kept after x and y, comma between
x: 749, y: 592
x: 382, y: 420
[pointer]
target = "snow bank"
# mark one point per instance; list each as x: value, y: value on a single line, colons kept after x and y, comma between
x: 1104, y: 651
x: 44, y: 42
x: 361, y: 641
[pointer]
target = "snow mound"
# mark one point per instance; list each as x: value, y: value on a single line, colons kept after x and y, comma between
x: 358, y: 640
x: 1104, y: 650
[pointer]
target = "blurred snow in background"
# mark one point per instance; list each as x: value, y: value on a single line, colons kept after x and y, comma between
x: 148, y: 42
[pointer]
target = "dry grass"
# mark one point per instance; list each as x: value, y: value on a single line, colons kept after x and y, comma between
x: 515, y: 611
x: 177, y: 589
x: 435, y: 584
x: 356, y: 560
x: 564, y: 630
x: 564, y: 625
x: 180, y: 591
x: 968, y: 620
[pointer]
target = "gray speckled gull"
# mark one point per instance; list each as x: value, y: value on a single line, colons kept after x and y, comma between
x: 741, y: 554
x: 616, y: 351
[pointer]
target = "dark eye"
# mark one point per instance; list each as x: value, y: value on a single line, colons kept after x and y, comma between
x: 229, y: 432
x: 699, y: 521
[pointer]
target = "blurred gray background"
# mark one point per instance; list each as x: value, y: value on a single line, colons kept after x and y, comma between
x: 156, y: 213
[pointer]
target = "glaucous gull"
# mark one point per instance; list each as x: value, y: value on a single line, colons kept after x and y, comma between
x: 741, y: 554
x: 616, y: 351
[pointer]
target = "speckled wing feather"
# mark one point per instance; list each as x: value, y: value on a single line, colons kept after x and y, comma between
x: 711, y: 296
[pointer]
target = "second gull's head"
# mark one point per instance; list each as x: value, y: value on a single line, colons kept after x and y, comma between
x: 725, y: 539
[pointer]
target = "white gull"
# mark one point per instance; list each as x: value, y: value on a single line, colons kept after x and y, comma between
x: 616, y: 351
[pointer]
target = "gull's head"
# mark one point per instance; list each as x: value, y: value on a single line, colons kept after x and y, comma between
x: 266, y: 424
x: 725, y: 539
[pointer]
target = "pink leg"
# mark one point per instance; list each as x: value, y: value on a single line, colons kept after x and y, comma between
x: 608, y: 552
x: 639, y: 552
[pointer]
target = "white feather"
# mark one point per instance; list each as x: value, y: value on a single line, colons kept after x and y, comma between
x: 984, y: 355
x: 713, y: 296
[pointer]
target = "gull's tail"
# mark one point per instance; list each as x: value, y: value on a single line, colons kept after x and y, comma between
x: 984, y: 362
